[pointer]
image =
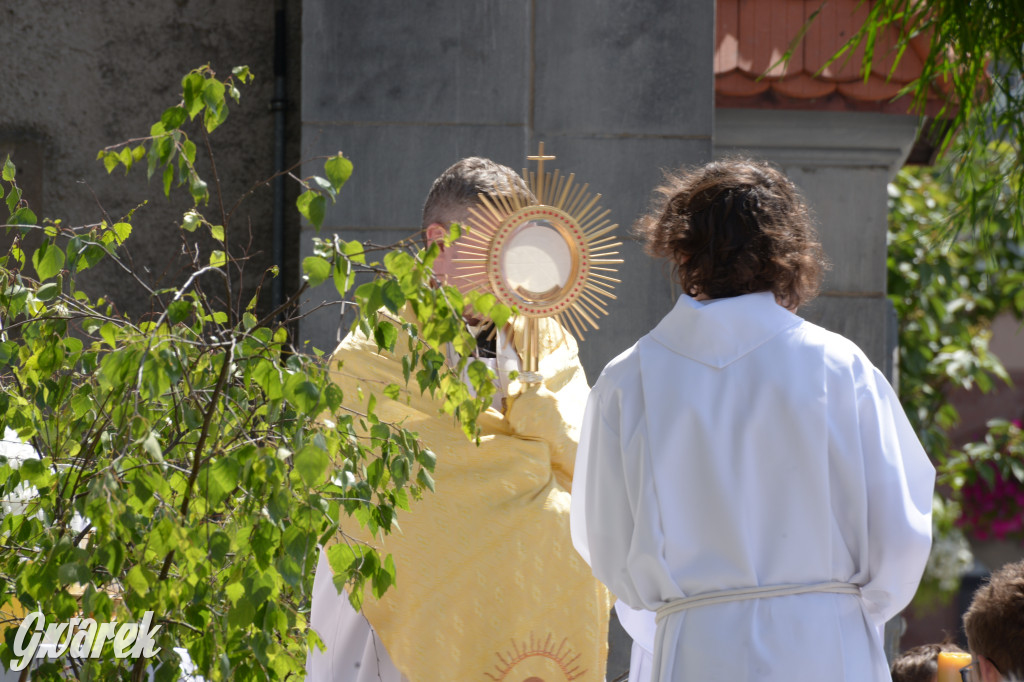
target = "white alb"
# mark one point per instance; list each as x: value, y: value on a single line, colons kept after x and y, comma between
x: 737, y: 446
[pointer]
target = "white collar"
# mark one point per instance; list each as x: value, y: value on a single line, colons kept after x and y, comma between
x: 505, y: 362
x: 721, y: 331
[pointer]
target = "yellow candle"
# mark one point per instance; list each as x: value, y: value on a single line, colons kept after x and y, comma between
x: 950, y: 663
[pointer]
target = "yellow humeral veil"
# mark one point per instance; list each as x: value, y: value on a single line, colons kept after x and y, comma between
x: 489, y: 586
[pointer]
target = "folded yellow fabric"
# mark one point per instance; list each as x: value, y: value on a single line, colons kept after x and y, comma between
x: 489, y: 586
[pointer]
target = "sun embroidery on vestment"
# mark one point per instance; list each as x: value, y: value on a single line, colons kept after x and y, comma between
x: 537, y: 661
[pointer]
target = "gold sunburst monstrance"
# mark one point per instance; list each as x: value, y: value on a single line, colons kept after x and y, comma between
x: 553, y: 257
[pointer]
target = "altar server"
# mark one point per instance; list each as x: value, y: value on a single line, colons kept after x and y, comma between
x: 746, y: 475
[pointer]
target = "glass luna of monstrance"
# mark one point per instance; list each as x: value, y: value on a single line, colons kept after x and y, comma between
x: 554, y: 257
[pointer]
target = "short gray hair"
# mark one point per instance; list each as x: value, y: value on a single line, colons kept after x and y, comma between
x: 456, y: 190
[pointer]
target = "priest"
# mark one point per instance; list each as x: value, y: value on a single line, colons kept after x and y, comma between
x: 488, y: 584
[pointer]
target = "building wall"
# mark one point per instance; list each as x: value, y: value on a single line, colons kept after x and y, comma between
x: 405, y: 91
x: 83, y: 75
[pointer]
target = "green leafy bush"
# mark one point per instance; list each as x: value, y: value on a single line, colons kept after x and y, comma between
x: 190, y: 463
x: 947, y: 291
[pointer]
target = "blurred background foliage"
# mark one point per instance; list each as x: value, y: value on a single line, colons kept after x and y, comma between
x: 947, y: 287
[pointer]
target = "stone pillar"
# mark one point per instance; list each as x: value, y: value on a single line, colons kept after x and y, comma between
x: 842, y: 162
x: 623, y: 90
x: 616, y: 90
x: 405, y: 90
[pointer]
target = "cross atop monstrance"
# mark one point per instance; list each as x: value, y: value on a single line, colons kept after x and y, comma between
x: 540, y: 159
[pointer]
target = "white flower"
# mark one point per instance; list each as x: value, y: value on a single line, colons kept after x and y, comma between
x: 950, y: 558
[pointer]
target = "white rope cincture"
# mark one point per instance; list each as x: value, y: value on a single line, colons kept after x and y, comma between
x: 745, y: 593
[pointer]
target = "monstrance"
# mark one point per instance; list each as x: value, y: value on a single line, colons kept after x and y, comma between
x: 554, y: 257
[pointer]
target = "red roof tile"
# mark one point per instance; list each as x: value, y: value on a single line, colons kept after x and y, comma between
x: 753, y: 35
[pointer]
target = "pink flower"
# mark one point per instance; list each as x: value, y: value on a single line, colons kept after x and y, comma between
x: 993, y: 510
x: 1001, y: 527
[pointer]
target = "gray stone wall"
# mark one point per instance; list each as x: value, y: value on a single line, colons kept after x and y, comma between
x: 79, y: 76
x: 611, y: 87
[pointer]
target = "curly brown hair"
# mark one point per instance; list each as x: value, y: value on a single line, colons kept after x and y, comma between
x: 734, y: 227
x: 994, y: 622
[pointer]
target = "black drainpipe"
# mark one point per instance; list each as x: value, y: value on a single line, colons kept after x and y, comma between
x: 278, y: 105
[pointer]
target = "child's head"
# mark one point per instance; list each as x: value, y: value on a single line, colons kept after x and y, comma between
x: 735, y: 227
x: 994, y: 623
x: 920, y: 664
